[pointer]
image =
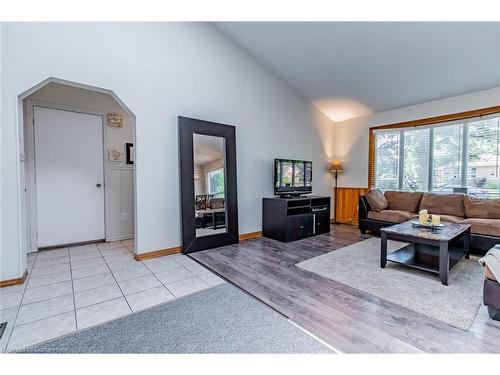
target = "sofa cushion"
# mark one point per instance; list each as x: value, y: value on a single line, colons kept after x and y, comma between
x: 403, y: 200
x: 376, y: 199
x: 487, y: 227
x: 445, y: 204
x: 451, y: 218
x: 488, y: 274
x: 482, y: 208
x: 392, y: 216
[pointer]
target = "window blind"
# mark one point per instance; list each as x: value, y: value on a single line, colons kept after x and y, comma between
x: 461, y: 155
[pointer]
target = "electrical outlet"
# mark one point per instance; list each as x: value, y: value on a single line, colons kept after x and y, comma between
x: 124, y: 216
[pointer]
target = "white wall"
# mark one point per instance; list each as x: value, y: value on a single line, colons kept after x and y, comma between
x: 161, y: 71
x: 119, y: 175
x: 350, y: 139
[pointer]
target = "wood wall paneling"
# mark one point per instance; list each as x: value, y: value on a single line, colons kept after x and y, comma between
x: 347, y: 204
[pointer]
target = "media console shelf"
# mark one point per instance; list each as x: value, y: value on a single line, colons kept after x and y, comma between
x: 291, y: 219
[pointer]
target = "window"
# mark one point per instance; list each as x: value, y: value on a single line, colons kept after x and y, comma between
x: 440, y: 157
x: 387, y: 146
x: 447, y: 158
x: 216, y: 184
x: 415, y: 159
x: 483, y: 157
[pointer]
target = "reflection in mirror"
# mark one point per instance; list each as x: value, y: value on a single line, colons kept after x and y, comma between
x: 209, y: 184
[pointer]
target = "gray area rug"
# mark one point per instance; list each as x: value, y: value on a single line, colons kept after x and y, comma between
x: 219, y: 320
x: 358, y: 266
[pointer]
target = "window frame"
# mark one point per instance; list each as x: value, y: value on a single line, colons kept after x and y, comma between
x: 415, y: 124
x: 207, y: 176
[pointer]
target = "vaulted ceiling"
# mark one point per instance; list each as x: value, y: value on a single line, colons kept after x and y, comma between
x: 350, y: 69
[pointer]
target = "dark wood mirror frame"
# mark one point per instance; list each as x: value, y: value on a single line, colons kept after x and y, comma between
x: 187, y: 128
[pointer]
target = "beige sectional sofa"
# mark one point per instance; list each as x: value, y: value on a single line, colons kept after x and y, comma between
x: 377, y: 210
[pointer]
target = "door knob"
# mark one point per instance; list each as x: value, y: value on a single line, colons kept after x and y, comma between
x: 98, y: 185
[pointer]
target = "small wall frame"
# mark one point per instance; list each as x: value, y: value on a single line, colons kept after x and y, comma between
x: 115, y: 155
x: 115, y: 120
x: 130, y: 153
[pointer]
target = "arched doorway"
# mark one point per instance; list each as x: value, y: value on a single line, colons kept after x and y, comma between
x: 77, y: 170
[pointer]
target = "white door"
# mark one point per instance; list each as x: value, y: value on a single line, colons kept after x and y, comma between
x: 69, y: 177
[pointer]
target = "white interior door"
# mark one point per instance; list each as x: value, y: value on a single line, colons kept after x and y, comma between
x: 69, y: 174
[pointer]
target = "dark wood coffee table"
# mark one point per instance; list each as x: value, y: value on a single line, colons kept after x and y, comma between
x: 427, y: 249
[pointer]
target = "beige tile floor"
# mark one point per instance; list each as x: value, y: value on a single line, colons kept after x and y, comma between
x: 74, y: 288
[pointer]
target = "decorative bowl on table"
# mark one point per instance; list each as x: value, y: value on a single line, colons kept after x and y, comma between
x: 429, y: 225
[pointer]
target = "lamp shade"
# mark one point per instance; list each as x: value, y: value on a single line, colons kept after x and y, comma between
x: 336, y: 166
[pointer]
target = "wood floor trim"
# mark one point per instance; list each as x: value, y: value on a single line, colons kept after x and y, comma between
x: 178, y: 249
x: 11, y: 282
x: 247, y: 236
x: 158, y: 253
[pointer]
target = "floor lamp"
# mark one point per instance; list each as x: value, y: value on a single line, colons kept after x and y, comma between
x: 336, y: 168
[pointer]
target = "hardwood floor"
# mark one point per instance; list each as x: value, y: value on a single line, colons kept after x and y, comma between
x: 350, y: 320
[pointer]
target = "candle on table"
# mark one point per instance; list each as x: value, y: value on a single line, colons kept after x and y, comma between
x: 423, y: 217
x: 436, y: 219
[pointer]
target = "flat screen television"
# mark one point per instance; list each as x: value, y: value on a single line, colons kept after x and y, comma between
x: 292, y: 177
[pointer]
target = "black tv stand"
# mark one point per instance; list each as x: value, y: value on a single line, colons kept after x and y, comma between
x: 289, y: 196
x: 293, y: 218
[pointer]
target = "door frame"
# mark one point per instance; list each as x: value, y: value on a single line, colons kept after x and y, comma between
x: 30, y: 165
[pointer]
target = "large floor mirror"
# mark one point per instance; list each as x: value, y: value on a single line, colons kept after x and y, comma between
x: 208, y: 184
